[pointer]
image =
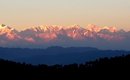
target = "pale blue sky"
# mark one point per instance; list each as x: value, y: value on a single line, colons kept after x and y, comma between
x: 27, y: 13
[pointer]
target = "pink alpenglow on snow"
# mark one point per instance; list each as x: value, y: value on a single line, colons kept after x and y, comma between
x: 45, y: 36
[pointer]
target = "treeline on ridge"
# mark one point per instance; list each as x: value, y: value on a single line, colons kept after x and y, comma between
x: 103, y: 66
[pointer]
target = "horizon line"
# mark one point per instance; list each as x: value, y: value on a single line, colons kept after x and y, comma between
x: 63, y: 26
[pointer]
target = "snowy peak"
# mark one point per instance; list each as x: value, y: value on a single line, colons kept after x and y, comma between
x: 3, y: 26
x: 60, y: 35
x: 75, y: 26
x: 75, y: 32
x: 8, y: 32
x: 93, y: 28
x: 45, y: 28
x: 111, y: 29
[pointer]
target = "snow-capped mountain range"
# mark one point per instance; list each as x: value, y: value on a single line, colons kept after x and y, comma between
x: 45, y: 36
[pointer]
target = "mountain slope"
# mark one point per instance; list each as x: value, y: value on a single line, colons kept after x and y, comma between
x: 46, y: 36
x: 57, y: 55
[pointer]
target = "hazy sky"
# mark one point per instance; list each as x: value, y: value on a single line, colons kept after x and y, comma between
x: 26, y: 13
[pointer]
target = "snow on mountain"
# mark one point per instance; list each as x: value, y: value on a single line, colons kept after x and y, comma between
x: 51, y: 32
x: 48, y: 33
x: 60, y: 35
x: 93, y: 28
x: 8, y: 32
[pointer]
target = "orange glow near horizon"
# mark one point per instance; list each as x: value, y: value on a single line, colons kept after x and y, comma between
x: 22, y: 14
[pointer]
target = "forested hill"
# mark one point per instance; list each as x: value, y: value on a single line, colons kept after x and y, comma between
x: 105, y: 67
x: 57, y: 55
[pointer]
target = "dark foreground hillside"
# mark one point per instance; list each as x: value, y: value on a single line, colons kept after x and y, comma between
x: 109, y: 68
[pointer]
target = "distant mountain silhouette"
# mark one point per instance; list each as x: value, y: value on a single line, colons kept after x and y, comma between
x: 117, y: 67
x: 57, y: 55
